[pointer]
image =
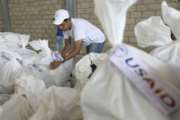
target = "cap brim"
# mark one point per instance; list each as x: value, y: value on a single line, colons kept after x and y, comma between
x: 57, y: 22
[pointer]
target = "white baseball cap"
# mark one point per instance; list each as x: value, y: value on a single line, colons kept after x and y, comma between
x: 60, y: 16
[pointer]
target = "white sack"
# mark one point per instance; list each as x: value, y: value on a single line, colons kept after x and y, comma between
x: 9, y: 72
x: 9, y: 55
x: 17, y: 108
x: 58, y: 77
x: 152, y: 32
x: 171, y: 17
x: 31, y: 87
x: 113, y: 94
x: 15, y: 40
x: 62, y: 74
x: 83, y: 68
x: 10, y: 69
x: 42, y: 46
x: 59, y: 104
x: 40, y: 68
x: 169, y: 53
x: 106, y: 10
x: 43, y: 57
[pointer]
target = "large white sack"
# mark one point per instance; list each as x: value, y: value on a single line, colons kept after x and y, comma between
x: 41, y: 45
x: 44, y: 51
x: 17, y: 108
x: 27, y: 55
x: 114, y: 97
x: 62, y: 74
x: 44, y: 54
x: 59, y: 103
x: 7, y: 56
x: 106, y: 10
x: 109, y: 95
x: 83, y: 69
x: 40, y: 68
x: 58, y: 77
x: 30, y: 87
x: 152, y: 32
x: 9, y: 72
x: 168, y: 53
x: 171, y: 17
x: 16, y: 43
x: 14, y: 40
x: 10, y: 69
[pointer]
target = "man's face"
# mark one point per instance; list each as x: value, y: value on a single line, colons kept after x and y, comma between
x: 65, y: 25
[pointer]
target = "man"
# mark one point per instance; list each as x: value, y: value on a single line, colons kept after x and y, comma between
x: 82, y: 31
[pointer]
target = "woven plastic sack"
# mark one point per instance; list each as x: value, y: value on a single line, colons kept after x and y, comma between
x: 85, y: 68
x: 59, y: 103
x: 171, y: 17
x: 15, y: 40
x: 152, y: 32
x: 169, y: 53
x: 17, y: 108
x: 30, y: 87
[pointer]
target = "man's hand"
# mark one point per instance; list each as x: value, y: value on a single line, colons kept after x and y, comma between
x: 53, y: 65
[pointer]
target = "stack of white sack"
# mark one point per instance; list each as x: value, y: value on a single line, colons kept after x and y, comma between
x: 14, y: 41
x: 26, y: 99
x: 17, y: 43
x: 127, y: 85
x: 32, y: 62
x: 22, y: 70
x: 153, y: 32
x: 85, y: 68
x: 32, y: 101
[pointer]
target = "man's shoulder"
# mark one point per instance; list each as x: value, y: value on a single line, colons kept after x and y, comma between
x: 80, y: 21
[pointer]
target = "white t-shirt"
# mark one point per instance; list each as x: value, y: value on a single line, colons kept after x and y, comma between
x: 84, y: 30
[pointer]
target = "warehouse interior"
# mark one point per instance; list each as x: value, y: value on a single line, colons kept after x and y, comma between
x: 139, y: 34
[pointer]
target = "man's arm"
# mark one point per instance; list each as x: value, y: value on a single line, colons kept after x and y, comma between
x: 74, y: 51
x: 68, y: 55
x: 66, y: 46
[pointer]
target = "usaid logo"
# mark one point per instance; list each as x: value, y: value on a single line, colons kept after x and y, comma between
x: 139, y: 73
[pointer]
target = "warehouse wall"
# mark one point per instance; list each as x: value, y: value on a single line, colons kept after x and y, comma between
x: 85, y: 9
x: 1, y: 18
x: 35, y: 17
x: 1, y: 22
